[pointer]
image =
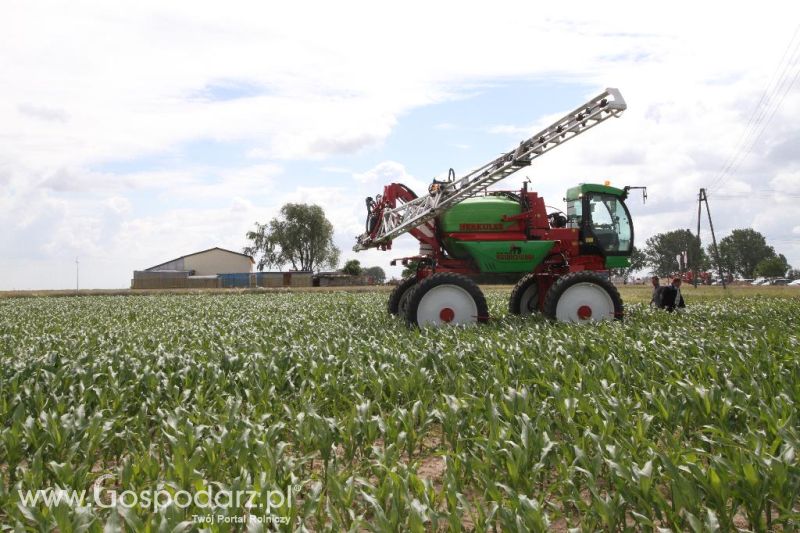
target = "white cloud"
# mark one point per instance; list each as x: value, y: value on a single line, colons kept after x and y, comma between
x: 336, y: 170
x: 43, y: 113
x: 508, y: 129
x: 250, y: 181
x: 786, y: 182
x: 383, y: 173
x: 118, y: 205
x: 85, y: 84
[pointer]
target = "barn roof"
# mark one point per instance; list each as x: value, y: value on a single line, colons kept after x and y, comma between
x: 202, y: 252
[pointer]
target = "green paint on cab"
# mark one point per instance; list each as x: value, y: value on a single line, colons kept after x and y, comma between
x: 617, y: 261
x: 576, y: 192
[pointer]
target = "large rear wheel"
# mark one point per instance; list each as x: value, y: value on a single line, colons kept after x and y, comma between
x: 583, y: 297
x: 444, y: 299
x: 398, y: 299
x: 525, y: 296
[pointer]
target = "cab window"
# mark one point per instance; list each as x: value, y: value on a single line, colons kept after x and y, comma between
x: 610, y: 223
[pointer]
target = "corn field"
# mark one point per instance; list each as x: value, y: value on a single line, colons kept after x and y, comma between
x: 662, y: 423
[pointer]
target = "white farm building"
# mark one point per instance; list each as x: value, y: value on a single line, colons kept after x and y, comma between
x: 208, y: 263
x: 197, y: 270
x: 214, y: 268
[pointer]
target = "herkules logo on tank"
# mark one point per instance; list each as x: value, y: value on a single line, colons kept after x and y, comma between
x: 481, y: 227
x: 515, y: 254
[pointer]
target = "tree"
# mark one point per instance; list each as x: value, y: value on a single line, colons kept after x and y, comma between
x: 637, y: 262
x: 352, y: 267
x: 742, y: 250
x: 662, y: 251
x: 376, y: 273
x: 793, y: 274
x: 772, y: 267
x: 410, y: 269
x: 300, y: 236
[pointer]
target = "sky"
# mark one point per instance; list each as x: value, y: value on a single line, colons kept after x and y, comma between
x: 132, y: 133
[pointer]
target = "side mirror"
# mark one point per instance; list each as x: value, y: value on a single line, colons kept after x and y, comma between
x: 644, y: 192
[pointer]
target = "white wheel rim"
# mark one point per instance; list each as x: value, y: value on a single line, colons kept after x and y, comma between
x: 574, y: 302
x: 434, y: 305
x: 529, y: 302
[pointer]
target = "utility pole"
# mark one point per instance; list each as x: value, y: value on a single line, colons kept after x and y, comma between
x: 77, y: 276
x: 699, y: 242
x: 703, y: 198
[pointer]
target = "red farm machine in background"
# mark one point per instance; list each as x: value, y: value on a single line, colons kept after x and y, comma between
x: 703, y: 278
x: 465, y: 231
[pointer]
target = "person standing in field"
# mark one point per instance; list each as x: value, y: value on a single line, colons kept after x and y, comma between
x: 656, y: 281
x: 670, y: 297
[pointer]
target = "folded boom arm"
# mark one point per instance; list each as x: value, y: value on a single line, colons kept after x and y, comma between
x: 392, y: 220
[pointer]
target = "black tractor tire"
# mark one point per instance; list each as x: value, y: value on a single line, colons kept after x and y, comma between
x: 453, y: 289
x: 592, y: 281
x: 525, y: 293
x: 398, y: 299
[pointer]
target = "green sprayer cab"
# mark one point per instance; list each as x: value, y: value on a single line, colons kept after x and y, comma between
x: 605, y: 224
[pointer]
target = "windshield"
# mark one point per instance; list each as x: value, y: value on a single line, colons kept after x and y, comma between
x: 610, y: 223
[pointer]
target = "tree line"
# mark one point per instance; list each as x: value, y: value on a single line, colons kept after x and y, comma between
x: 744, y: 254
x: 301, y: 236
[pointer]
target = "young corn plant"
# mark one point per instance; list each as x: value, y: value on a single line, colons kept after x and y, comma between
x: 682, y: 422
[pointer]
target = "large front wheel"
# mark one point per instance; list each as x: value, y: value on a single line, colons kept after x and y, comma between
x: 524, y: 298
x: 446, y: 299
x: 398, y: 299
x: 583, y: 297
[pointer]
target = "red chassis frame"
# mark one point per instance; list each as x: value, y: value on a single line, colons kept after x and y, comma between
x: 531, y: 224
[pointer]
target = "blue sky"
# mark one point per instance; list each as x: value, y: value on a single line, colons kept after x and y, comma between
x: 427, y: 140
x: 172, y: 128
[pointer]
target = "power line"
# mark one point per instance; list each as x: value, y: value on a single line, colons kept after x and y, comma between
x: 759, y: 111
x: 754, y: 196
x: 757, y: 194
x: 756, y: 125
x: 766, y: 123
